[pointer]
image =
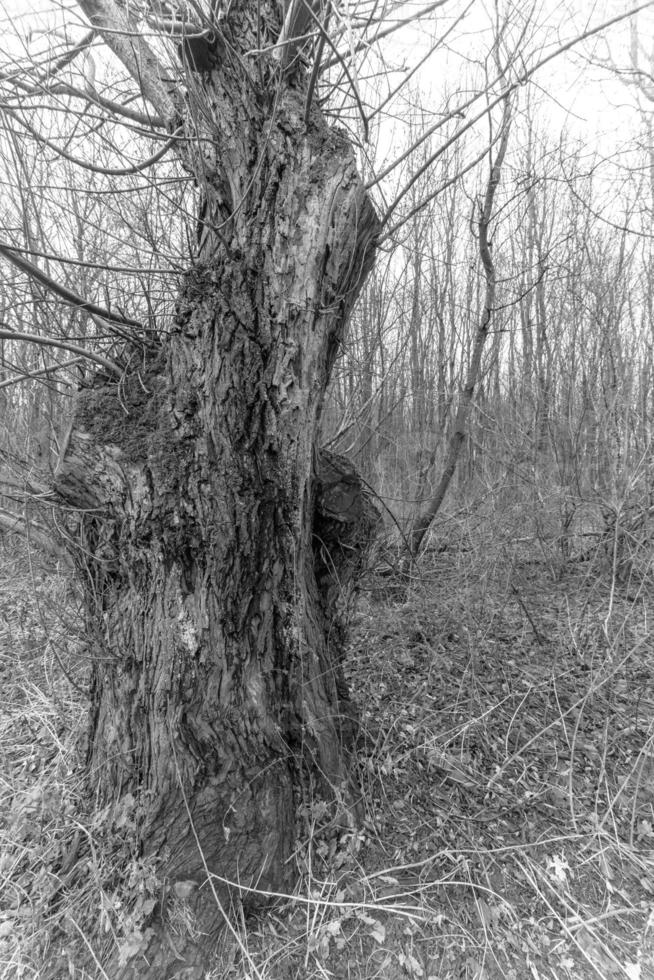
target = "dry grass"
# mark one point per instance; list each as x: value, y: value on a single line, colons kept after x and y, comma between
x: 506, y: 762
x: 41, y: 721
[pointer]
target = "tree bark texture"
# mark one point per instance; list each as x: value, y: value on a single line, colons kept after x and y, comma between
x: 217, y: 542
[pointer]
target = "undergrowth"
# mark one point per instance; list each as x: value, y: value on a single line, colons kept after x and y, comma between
x: 506, y: 761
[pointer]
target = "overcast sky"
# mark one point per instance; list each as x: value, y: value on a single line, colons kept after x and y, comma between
x: 571, y: 93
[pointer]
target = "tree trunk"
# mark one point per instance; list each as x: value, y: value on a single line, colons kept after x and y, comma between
x: 216, y: 542
x: 424, y: 520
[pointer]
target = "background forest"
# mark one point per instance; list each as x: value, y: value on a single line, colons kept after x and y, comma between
x: 501, y: 650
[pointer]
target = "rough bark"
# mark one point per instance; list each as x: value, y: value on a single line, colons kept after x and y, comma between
x: 217, y: 542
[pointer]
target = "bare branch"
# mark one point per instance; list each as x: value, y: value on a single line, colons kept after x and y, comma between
x: 42, y: 372
x: 521, y: 79
x: 438, y: 43
x: 324, y: 35
x: 117, y: 108
x: 93, y: 167
x: 62, y: 291
x: 57, y: 64
x: 8, y: 334
x: 299, y: 15
x: 122, y: 36
x: 435, y: 193
x: 397, y: 26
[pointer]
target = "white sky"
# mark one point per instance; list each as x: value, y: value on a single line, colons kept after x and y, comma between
x: 576, y: 94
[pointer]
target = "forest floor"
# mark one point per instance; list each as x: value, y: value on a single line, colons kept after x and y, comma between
x: 506, y: 761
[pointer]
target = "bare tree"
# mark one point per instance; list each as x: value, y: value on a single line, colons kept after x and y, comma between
x: 212, y: 538
x: 214, y: 541
x: 485, y: 216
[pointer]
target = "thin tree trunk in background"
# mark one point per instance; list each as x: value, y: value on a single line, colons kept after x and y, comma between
x: 424, y: 521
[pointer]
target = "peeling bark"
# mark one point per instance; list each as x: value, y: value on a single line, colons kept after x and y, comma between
x: 218, y: 545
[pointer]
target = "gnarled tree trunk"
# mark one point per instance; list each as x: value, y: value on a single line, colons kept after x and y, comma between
x: 216, y: 538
